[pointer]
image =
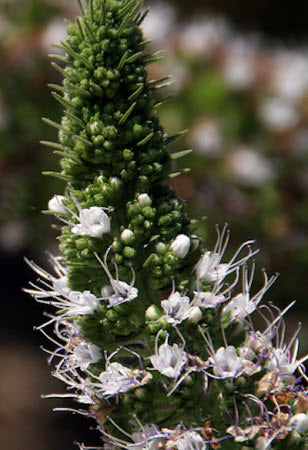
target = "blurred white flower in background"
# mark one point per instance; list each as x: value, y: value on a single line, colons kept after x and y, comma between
x: 278, y: 114
x: 290, y: 75
x: 240, y: 64
x: 249, y: 167
x: 54, y: 33
x: 159, y: 24
x: 202, y: 36
x: 206, y: 137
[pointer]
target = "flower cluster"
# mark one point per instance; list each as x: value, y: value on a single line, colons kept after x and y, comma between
x: 153, y: 332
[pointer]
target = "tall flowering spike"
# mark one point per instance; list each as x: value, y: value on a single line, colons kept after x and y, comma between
x: 156, y: 339
x: 114, y: 151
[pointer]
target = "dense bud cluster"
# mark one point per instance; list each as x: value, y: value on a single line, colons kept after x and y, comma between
x: 154, y: 336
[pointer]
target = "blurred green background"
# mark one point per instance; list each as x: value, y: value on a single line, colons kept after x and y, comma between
x: 241, y: 88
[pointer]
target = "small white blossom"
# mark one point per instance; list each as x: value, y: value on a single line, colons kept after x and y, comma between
x: 118, y: 379
x: 210, y: 269
x: 148, y: 437
x: 55, y: 292
x: 242, y: 304
x: 177, y: 308
x: 190, y: 440
x: 283, y: 359
x: 169, y: 360
x: 55, y: 204
x: 208, y: 299
x: 180, y: 245
x: 85, y: 354
x: 94, y: 222
x: 226, y: 363
x: 122, y: 291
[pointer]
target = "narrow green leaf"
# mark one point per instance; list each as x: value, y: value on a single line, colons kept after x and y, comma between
x: 75, y: 119
x: 81, y: 7
x: 146, y: 139
x: 52, y: 123
x: 162, y: 101
x: 53, y: 145
x: 181, y: 154
x: 136, y: 93
x: 59, y: 69
x: 173, y: 138
x: 64, y: 102
x: 58, y: 57
x: 179, y: 172
x: 130, y: 15
x: 133, y: 58
x: 127, y: 114
x: 59, y: 175
x: 122, y: 61
x: 83, y: 140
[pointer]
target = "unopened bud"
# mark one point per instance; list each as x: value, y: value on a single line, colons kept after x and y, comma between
x: 144, y: 199
x: 195, y: 315
x: 181, y: 245
x: 127, y: 235
x: 115, y: 182
x: 153, y: 313
x: 160, y: 247
x: 55, y: 204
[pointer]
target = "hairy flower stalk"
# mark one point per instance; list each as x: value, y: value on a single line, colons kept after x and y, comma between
x: 154, y: 333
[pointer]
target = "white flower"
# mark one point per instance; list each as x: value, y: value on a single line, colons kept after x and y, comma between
x: 56, y: 204
x: 55, y: 292
x: 208, y: 299
x: 85, y: 354
x: 210, y: 269
x: 148, y: 437
x: 177, y: 308
x: 122, y: 291
x: 190, y: 440
x: 242, y: 304
x: 80, y: 303
x: 118, y: 379
x: 283, y: 360
x: 226, y: 363
x: 94, y: 222
x: 169, y: 360
x: 180, y: 245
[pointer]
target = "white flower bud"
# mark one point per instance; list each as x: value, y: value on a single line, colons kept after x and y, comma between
x: 300, y: 421
x: 152, y: 313
x: 115, y: 182
x: 144, y: 199
x: 126, y: 235
x: 160, y: 247
x: 94, y: 127
x: 195, y: 315
x: 181, y: 245
x: 55, y: 204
